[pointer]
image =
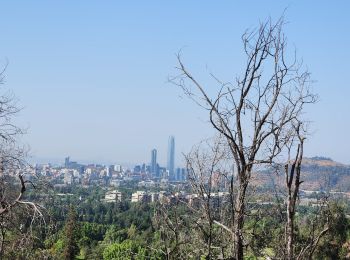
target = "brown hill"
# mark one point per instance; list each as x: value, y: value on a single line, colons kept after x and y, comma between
x: 318, y: 173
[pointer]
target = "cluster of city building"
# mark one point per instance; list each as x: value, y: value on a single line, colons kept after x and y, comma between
x: 195, y: 200
x: 147, y: 175
x: 164, y: 197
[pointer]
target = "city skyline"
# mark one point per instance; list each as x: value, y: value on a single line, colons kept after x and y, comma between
x: 153, y: 163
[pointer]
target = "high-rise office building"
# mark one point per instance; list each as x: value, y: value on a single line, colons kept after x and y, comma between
x: 66, y: 162
x: 180, y: 174
x: 154, y: 167
x: 171, y: 156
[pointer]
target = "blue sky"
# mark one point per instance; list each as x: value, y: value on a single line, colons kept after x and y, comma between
x: 92, y: 75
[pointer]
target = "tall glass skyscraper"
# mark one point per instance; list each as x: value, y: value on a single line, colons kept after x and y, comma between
x: 66, y: 162
x: 154, y: 162
x: 171, y: 156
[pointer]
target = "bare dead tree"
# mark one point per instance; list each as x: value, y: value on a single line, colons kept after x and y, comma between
x: 13, y: 182
x: 207, y: 169
x: 256, y: 112
x: 292, y: 170
x: 292, y: 180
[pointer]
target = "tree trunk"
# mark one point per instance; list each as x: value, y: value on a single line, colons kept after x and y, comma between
x: 290, y: 228
x: 239, y: 220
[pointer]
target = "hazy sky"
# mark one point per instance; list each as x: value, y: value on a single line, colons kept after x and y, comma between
x: 92, y: 75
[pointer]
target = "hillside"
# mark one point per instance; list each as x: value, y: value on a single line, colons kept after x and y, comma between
x: 324, y: 173
x: 318, y: 173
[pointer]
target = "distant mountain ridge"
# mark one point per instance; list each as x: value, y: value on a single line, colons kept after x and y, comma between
x: 324, y: 173
x: 317, y: 173
x: 322, y: 161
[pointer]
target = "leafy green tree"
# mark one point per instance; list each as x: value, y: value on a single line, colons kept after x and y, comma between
x: 132, y: 232
x: 125, y: 250
x: 70, y: 232
x: 332, y: 245
x: 114, y: 235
